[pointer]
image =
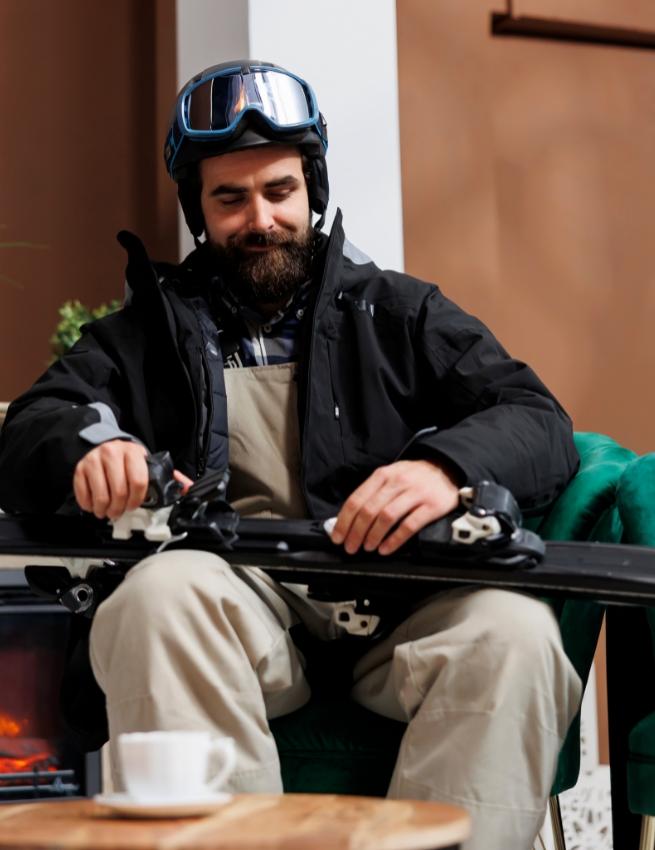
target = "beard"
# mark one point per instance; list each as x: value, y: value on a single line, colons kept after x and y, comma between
x: 270, y: 276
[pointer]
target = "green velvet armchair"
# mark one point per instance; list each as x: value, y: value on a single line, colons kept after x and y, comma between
x: 332, y: 745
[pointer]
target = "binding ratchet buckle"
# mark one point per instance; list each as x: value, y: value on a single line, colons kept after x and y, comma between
x: 167, y: 517
x: 484, y: 530
x: 205, y: 511
x: 491, y: 514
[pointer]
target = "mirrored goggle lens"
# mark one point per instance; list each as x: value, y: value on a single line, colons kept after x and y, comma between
x: 216, y: 104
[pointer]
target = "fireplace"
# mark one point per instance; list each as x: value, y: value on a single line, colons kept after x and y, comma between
x: 37, y: 756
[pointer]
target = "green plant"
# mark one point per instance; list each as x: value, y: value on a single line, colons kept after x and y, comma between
x: 73, y: 315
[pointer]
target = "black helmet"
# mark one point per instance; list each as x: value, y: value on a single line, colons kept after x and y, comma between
x: 238, y: 105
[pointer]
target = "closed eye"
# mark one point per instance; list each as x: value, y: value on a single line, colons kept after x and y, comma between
x: 275, y: 197
x: 231, y: 200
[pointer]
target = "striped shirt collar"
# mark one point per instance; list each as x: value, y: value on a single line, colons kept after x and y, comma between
x: 250, y: 339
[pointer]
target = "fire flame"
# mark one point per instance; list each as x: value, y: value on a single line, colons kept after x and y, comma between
x: 19, y: 754
x: 27, y: 764
x: 10, y: 727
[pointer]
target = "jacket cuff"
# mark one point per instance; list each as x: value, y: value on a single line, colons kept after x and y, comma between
x: 106, y: 428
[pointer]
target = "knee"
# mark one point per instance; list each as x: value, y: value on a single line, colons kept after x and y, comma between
x: 525, y: 649
x: 162, y: 585
x: 522, y: 632
x: 501, y: 633
x: 517, y: 621
x: 503, y: 648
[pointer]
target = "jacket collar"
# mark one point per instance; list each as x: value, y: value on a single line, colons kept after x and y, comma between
x: 143, y: 276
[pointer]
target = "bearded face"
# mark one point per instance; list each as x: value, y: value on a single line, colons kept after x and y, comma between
x: 257, y: 219
x: 265, y: 268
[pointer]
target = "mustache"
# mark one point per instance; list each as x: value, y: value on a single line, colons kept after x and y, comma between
x: 260, y: 240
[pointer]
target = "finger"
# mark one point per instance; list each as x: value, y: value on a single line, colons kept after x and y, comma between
x: 136, y: 477
x: 368, y: 515
x: 98, y: 488
x: 389, y: 516
x: 413, y: 522
x: 81, y: 489
x: 114, y: 468
x: 184, y: 480
x: 356, y: 502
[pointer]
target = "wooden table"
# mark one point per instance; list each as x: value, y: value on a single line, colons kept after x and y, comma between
x: 248, y: 822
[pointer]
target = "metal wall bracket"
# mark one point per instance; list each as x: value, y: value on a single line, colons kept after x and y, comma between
x: 506, y: 24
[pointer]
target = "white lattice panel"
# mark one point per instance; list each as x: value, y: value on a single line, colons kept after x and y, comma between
x: 587, y: 808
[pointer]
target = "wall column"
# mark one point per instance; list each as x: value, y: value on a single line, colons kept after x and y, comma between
x: 347, y: 51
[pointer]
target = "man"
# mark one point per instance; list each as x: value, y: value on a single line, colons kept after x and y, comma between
x: 344, y: 391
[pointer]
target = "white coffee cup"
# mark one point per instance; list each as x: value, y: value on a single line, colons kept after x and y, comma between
x: 174, y: 765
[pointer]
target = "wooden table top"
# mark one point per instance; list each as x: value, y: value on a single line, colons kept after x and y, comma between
x: 248, y: 822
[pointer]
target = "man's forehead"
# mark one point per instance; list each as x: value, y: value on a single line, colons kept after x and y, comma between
x: 251, y: 161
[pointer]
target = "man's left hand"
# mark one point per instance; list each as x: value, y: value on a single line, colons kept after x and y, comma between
x: 404, y: 496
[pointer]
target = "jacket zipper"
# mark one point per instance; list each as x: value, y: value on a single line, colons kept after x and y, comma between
x: 202, y: 452
x: 171, y: 329
x: 329, y: 260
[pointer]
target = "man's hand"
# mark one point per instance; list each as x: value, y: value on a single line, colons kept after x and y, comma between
x: 404, y: 496
x: 113, y: 478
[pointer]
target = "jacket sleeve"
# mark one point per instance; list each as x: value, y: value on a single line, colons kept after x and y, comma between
x: 73, y: 407
x: 500, y: 422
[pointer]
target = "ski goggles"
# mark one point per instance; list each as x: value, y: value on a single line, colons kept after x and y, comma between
x: 212, y: 107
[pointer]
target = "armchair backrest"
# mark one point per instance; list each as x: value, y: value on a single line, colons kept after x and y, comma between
x: 586, y: 510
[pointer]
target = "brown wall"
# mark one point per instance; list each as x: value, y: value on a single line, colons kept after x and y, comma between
x: 529, y: 194
x: 85, y: 88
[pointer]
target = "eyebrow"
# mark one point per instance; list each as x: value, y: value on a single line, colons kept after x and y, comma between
x: 233, y: 189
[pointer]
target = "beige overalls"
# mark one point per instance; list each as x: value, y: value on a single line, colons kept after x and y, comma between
x: 479, y: 676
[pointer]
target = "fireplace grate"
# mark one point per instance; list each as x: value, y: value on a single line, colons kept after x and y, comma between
x: 39, y: 758
x: 51, y: 783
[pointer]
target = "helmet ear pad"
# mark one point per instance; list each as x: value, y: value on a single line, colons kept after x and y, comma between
x: 317, y: 185
x: 188, y: 192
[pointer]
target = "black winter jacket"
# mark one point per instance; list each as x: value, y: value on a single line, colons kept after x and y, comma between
x: 390, y: 369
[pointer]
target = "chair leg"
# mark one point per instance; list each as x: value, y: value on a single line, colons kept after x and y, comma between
x: 556, y: 821
x: 647, y: 840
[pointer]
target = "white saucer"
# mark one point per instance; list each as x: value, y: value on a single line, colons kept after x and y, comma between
x: 133, y: 807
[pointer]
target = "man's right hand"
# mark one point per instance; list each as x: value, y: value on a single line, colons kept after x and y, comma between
x: 112, y: 479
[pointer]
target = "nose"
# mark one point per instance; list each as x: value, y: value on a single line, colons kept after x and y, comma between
x: 260, y: 217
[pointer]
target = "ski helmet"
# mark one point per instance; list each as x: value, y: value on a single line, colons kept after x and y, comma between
x: 238, y: 105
